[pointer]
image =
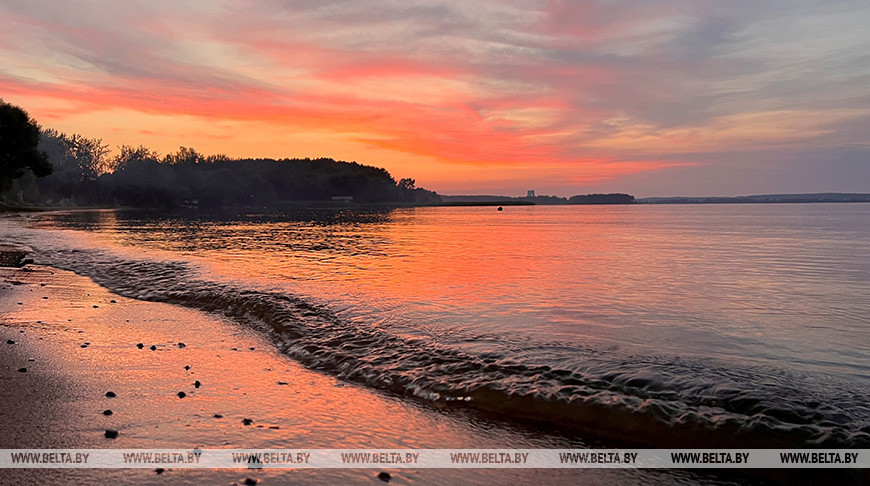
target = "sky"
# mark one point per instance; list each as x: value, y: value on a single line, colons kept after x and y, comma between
x: 649, y: 97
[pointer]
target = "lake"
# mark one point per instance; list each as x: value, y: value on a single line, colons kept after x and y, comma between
x: 641, y: 325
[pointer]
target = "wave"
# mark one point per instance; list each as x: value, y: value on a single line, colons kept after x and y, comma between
x: 644, y: 400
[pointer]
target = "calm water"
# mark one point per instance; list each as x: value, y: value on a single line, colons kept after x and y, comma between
x: 645, y: 324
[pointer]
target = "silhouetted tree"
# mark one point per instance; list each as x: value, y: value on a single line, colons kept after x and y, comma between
x: 137, y: 176
x: 19, y: 142
x: 406, y: 188
x: 78, y: 163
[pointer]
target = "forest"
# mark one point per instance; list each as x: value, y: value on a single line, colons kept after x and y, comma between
x: 83, y: 171
x: 42, y: 166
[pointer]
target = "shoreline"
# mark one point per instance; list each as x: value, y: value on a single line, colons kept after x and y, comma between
x: 78, y: 341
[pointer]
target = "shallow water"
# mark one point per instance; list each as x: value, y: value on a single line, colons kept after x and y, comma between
x: 745, y: 325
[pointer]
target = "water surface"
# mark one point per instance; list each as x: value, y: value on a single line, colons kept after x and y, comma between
x: 650, y: 325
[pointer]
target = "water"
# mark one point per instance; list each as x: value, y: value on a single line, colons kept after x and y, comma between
x: 678, y: 325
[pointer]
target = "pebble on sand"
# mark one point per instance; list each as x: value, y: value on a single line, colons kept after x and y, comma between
x: 182, y: 394
x: 140, y: 345
x: 247, y: 421
x: 111, y: 434
x: 384, y: 476
x: 107, y: 412
x: 186, y: 367
x: 197, y: 384
x: 217, y: 415
x: 111, y: 394
x: 159, y: 470
x: 153, y: 348
x: 22, y: 370
x: 182, y: 345
x: 113, y: 301
x: 250, y: 481
x: 9, y: 341
x: 96, y: 306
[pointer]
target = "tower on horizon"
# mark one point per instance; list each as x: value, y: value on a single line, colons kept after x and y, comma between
x: 530, y: 193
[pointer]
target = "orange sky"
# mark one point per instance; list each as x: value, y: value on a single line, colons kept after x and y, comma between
x: 497, y: 96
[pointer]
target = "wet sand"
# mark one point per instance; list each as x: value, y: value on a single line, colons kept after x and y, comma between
x: 78, y: 341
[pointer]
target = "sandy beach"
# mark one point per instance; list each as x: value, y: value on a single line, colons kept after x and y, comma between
x: 78, y: 341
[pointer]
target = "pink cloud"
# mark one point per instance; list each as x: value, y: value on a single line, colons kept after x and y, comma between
x: 580, y: 89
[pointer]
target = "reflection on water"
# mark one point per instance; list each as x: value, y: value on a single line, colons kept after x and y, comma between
x: 754, y: 315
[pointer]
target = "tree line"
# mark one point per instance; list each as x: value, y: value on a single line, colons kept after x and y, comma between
x: 56, y: 168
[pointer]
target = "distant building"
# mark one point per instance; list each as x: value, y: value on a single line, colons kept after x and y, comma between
x: 531, y: 193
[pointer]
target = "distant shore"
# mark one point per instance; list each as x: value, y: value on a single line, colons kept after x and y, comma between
x: 828, y: 197
x: 487, y: 202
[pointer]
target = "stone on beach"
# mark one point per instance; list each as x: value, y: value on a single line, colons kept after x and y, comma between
x: 247, y: 421
x: 197, y: 384
x: 182, y: 394
x: 22, y: 370
x: 384, y: 476
x: 153, y: 348
x: 107, y: 412
x: 11, y: 256
x: 111, y: 434
x: 9, y: 341
x: 111, y: 394
x: 140, y: 345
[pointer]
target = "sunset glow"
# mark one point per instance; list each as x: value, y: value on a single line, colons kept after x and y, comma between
x: 495, y: 96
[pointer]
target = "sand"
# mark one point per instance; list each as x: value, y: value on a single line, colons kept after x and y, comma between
x: 78, y: 342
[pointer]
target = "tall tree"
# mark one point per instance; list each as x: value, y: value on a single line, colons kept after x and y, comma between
x: 19, y: 138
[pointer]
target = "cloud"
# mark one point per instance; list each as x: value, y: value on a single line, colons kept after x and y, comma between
x: 585, y: 92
